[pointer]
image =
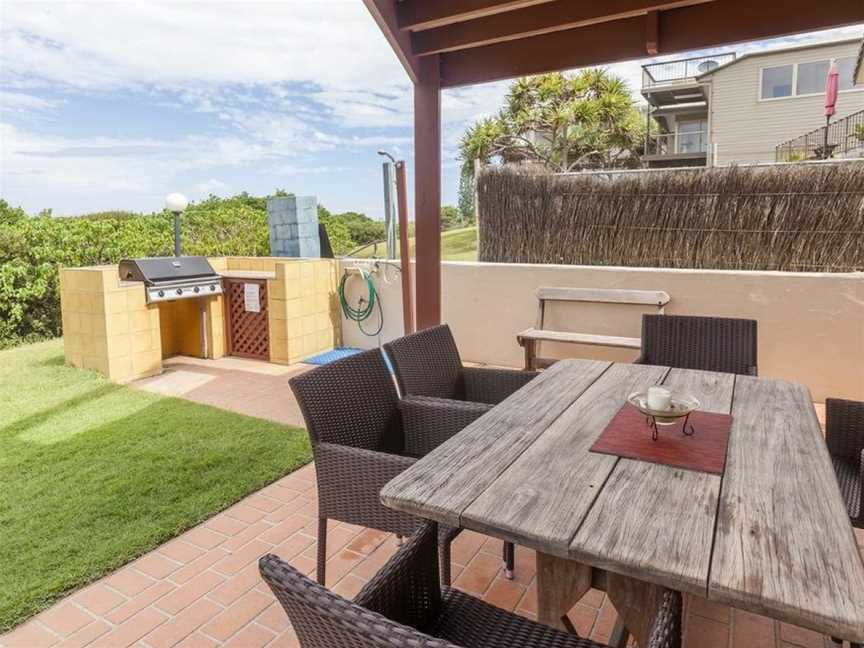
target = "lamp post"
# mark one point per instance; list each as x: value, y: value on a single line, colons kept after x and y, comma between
x: 176, y: 203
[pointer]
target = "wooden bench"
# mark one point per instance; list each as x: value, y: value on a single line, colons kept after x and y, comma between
x: 530, y: 338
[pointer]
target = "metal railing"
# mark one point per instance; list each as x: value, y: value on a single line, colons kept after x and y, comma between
x: 677, y: 143
x: 657, y: 73
x: 845, y: 136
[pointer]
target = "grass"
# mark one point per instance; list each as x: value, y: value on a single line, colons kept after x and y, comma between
x: 93, y: 474
x: 456, y: 245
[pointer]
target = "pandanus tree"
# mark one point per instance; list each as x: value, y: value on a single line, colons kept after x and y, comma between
x: 563, y: 122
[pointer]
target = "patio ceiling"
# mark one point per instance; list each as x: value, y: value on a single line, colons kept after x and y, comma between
x: 452, y: 43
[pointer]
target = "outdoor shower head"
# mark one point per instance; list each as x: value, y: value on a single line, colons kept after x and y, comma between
x: 387, y: 155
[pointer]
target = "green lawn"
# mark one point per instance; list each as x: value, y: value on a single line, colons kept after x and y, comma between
x: 93, y: 474
x: 456, y: 245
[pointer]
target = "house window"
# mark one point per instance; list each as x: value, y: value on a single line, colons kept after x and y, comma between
x: 693, y: 136
x: 847, y: 72
x: 812, y: 77
x: 777, y: 81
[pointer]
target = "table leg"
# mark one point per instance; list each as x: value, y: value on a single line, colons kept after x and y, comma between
x: 560, y: 585
x: 636, y: 602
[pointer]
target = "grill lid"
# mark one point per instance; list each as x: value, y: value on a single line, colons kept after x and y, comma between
x: 166, y: 269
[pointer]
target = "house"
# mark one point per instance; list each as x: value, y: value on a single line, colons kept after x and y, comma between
x: 724, y: 109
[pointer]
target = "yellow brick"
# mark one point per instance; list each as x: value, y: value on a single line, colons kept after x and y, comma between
x: 117, y: 324
x: 135, y: 299
x: 322, y: 303
x: 140, y: 321
x: 116, y: 302
x: 323, y: 322
x: 325, y: 340
x: 74, y: 359
x: 289, y: 271
x: 307, y: 286
x: 278, y: 329
x: 292, y: 289
x: 293, y: 308
x: 118, y: 345
x: 121, y: 368
x: 307, y: 324
x: 146, y: 363
x: 307, y: 270
x: 277, y: 309
x: 307, y: 306
x: 96, y: 363
x: 142, y: 341
x: 278, y: 350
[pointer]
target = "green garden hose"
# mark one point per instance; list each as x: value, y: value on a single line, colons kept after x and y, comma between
x: 365, y: 306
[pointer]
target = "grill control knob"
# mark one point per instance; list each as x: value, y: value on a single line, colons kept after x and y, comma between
x: 197, y: 289
x: 212, y: 287
x: 179, y: 291
x: 161, y: 293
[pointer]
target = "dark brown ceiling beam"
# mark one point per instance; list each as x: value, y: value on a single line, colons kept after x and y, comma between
x: 533, y: 21
x: 384, y: 14
x: 680, y: 30
x: 428, y: 14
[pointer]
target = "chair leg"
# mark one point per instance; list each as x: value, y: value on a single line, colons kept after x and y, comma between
x: 620, y: 635
x: 444, y: 566
x: 322, y: 549
x: 509, y: 560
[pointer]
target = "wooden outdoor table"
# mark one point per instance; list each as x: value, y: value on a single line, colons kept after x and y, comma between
x: 771, y: 536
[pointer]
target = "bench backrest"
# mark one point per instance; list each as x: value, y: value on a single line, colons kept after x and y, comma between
x: 656, y: 298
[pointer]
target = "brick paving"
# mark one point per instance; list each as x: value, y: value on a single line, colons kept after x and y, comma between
x: 202, y: 588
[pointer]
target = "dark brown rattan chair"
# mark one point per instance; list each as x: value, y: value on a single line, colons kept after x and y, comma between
x: 844, y: 433
x: 707, y: 343
x: 352, y: 415
x: 404, y: 606
x: 432, y: 378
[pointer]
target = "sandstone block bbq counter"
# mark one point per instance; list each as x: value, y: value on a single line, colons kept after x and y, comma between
x: 109, y: 327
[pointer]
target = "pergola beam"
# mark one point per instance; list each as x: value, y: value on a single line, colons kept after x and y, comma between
x: 428, y: 14
x: 679, y: 30
x: 384, y: 14
x: 533, y: 21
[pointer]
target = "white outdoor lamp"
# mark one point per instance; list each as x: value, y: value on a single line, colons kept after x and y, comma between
x: 176, y: 203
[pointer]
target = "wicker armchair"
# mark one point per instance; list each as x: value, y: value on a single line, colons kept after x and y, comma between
x: 403, y: 606
x: 844, y: 433
x: 435, y: 384
x: 352, y: 415
x: 707, y: 343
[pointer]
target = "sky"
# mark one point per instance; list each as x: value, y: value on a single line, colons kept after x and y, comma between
x: 114, y: 104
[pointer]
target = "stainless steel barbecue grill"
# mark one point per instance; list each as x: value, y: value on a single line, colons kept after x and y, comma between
x: 171, y: 278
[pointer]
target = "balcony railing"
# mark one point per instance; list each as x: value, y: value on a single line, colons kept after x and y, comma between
x: 845, y: 136
x: 682, y: 69
x: 677, y: 143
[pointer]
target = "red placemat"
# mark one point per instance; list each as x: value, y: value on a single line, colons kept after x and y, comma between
x: 629, y: 435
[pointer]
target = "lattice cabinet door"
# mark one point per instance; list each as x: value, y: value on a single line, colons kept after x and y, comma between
x: 248, y: 330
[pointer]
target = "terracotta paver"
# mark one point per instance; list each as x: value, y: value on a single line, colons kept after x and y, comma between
x: 202, y: 589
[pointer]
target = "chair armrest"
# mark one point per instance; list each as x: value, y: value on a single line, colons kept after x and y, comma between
x: 428, y: 422
x: 407, y: 589
x: 492, y: 386
x: 349, y: 486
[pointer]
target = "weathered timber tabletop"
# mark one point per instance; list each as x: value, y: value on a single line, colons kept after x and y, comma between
x: 771, y: 535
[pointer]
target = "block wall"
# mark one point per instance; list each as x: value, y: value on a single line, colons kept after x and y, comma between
x: 293, y: 224
x: 304, y: 309
x: 107, y: 325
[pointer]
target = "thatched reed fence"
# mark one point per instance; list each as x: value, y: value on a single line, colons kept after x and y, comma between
x: 803, y: 218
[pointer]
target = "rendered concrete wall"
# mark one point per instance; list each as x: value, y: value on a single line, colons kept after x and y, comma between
x: 293, y: 223
x: 811, y: 325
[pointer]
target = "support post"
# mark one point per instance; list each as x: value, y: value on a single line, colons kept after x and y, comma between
x: 404, y: 249
x: 427, y: 190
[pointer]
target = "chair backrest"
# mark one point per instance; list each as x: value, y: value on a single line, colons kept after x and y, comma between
x: 427, y: 363
x: 391, y: 610
x: 844, y: 428
x: 351, y: 402
x: 707, y: 343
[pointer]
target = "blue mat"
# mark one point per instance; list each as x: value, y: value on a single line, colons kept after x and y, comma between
x: 338, y: 354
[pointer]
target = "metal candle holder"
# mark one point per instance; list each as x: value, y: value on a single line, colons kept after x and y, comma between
x: 687, y: 428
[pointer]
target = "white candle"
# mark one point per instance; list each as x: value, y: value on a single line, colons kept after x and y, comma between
x: 659, y: 399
